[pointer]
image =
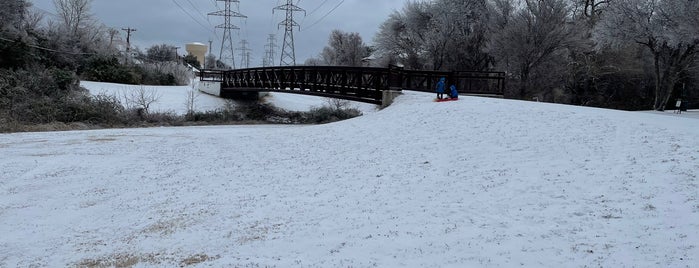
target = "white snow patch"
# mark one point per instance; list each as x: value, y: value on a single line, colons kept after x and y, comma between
x: 174, y: 98
x: 474, y: 183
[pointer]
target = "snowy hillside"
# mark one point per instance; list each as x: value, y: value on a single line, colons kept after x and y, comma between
x: 474, y: 183
x: 173, y: 99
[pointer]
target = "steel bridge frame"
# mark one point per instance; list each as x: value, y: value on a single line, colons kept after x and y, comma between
x: 363, y: 84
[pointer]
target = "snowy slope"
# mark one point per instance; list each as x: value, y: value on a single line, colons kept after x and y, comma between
x: 174, y: 98
x: 474, y: 183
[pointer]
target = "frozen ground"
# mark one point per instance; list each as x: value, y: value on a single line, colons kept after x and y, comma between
x: 174, y: 98
x: 474, y: 183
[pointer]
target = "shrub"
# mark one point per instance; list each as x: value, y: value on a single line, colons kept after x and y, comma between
x: 108, y: 69
x: 100, y: 109
x: 327, y: 114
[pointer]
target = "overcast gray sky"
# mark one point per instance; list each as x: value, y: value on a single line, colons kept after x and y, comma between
x: 177, y: 22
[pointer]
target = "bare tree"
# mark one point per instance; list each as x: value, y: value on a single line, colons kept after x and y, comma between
x: 667, y: 28
x: 140, y: 99
x: 113, y: 33
x: 344, y: 49
x: 191, y: 100
x: 404, y: 34
x: 313, y: 62
x: 530, y: 38
x: 210, y: 62
x: 162, y: 53
x: 75, y: 15
x: 458, y: 34
x: 437, y: 35
x: 12, y: 15
x: 591, y: 10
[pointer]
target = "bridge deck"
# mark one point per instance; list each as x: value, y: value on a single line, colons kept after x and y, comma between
x: 364, y: 84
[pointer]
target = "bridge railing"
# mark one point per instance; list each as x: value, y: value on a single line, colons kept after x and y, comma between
x: 466, y: 82
x: 210, y: 75
x: 364, y: 84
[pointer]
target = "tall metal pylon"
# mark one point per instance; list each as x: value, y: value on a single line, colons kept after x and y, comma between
x: 227, y: 50
x: 271, y: 45
x: 244, y: 54
x: 288, y: 51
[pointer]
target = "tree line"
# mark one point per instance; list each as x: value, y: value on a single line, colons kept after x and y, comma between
x: 43, y: 58
x: 623, y: 54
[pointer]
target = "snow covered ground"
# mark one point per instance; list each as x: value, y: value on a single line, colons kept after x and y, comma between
x: 174, y: 98
x: 475, y: 183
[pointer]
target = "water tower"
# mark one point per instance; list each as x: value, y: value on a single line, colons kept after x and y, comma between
x: 198, y: 50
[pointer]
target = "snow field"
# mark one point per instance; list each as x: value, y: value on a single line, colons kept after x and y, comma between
x: 173, y: 99
x: 473, y: 183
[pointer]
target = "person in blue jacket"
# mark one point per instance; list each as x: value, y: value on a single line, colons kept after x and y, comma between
x: 453, y: 93
x: 440, y: 88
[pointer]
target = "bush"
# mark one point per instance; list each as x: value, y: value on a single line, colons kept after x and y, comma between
x: 108, y: 69
x: 100, y: 109
x: 326, y: 114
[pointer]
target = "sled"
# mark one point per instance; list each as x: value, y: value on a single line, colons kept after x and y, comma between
x: 446, y: 99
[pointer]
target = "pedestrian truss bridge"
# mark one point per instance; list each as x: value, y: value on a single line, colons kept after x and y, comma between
x: 363, y: 84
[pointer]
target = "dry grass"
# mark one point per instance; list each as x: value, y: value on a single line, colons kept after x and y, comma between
x: 196, y: 259
x: 55, y: 126
x: 118, y: 260
x: 131, y: 260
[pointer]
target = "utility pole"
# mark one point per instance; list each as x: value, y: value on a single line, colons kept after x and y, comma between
x: 244, y: 53
x: 128, y: 31
x: 269, y: 50
x: 227, y: 26
x: 177, y: 57
x: 211, y: 53
x: 128, y: 37
x: 288, y: 51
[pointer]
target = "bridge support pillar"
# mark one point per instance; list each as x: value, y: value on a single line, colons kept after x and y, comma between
x: 210, y: 87
x: 388, y: 96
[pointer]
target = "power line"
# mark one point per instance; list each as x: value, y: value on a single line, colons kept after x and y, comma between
x: 199, y: 12
x: 45, y: 11
x: 192, y: 17
x: 319, y: 6
x: 49, y: 49
x: 324, y: 16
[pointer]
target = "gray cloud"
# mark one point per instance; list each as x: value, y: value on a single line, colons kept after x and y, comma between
x: 163, y: 21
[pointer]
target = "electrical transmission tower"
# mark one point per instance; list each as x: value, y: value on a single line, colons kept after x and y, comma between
x: 271, y: 45
x: 288, y: 51
x: 244, y: 53
x: 227, y: 50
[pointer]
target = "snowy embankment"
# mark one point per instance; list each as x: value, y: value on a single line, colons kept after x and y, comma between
x: 173, y: 99
x: 474, y: 183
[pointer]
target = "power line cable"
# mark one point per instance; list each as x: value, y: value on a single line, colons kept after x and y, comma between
x: 192, y: 17
x: 199, y: 11
x: 303, y: 21
x: 49, y: 49
x: 327, y: 14
x: 244, y: 20
x: 318, y: 7
x: 45, y: 11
